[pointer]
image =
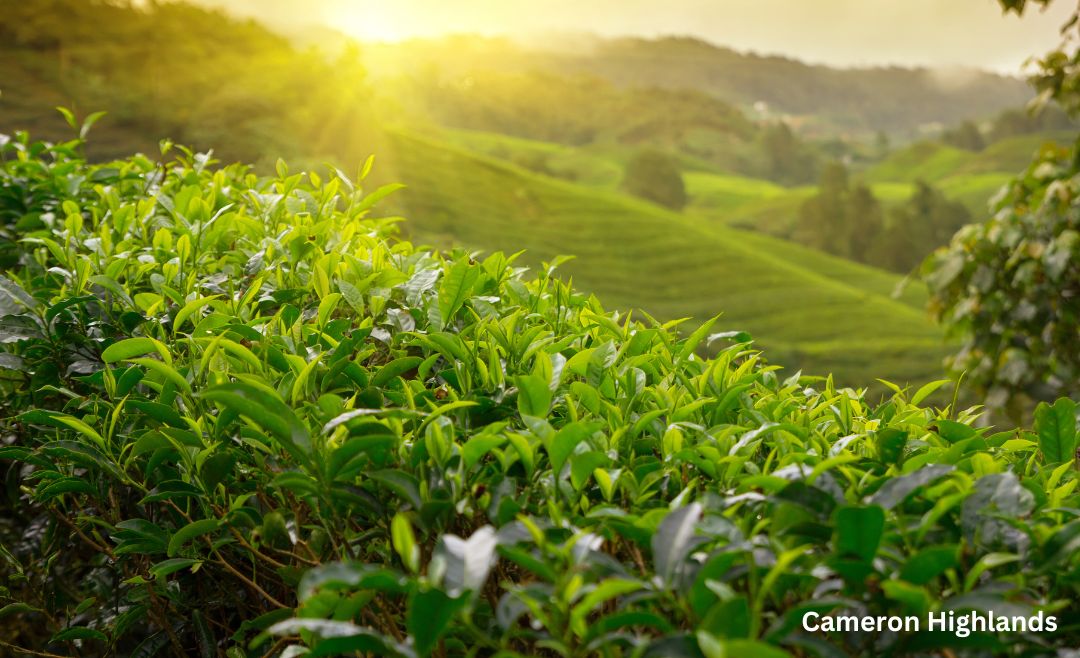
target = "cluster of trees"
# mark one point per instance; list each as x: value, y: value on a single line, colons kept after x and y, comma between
x: 1015, y: 122
x: 965, y: 136
x: 845, y: 219
x: 654, y: 175
x: 969, y: 136
x: 788, y: 159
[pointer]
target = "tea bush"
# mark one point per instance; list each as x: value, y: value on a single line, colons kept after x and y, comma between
x: 242, y: 418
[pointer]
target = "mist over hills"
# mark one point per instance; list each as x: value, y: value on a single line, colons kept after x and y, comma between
x: 895, y: 100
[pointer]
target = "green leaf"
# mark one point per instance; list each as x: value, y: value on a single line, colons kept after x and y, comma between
x: 171, y: 566
x: 1056, y: 428
x: 890, y: 444
x: 132, y: 347
x: 63, y: 486
x: 14, y: 296
x: 986, y: 563
x: 395, y: 368
x: 189, y: 532
x: 534, y: 396
x: 68, y: 115
x: 17, y: 609
x: 859, y: 531
x: 914, y: 598
x: 583, y: 465
x: 166, y: 371
x: 88, y: 123
x: 927, y: 390
x: 564, y: 442
x: 188, y: 309
x: 62, y: 421
x: 150, y: 646
x: 379, y: 194
x: 430, y: 614
x: 401, y: 534
x: 695, y: 338
x: 674, y: 539
x: 456, y: 287
x: 728, y: 619
x: 603, y: 592
x: 479, y: 445
x: 929, y: 563
x: 266, y: 410
x: 403, y: 484
x: 338, y: 637
x: 896, y: 490
x: 353, y: 296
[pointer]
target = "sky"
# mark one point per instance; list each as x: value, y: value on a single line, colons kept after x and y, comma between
x: 847, y: 33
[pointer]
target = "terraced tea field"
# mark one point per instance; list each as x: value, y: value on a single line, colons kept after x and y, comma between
x: 810, y: 310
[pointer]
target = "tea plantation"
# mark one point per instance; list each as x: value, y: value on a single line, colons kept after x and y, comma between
x: 243, y: 418
x: 810, y: 310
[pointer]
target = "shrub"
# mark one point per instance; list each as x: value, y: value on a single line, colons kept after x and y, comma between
x: 243, y: 418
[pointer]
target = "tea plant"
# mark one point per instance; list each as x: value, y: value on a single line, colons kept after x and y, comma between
x: 242, y: 418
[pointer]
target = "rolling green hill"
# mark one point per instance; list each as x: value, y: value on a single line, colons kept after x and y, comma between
x: 933, y: 161
x: 972, y: 178
x: 813, y: 311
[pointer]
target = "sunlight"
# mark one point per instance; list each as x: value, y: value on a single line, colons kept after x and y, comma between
x: 368, y: 22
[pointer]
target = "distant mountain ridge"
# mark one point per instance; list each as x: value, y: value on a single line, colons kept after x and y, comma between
x: 896, y: 100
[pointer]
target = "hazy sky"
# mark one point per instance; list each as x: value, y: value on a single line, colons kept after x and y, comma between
x: 837, y: 32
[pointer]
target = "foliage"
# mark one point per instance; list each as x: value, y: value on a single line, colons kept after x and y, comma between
x: 1008, y: 287
x: 927, y: 219
x: 1012, y: 123
x: 966, y: 136
x: 655, y: 176
x: 242, y: 416
x: 1057, y: 74
x: 840, y: 219
x: 787, y: 160
x: 846, y: 220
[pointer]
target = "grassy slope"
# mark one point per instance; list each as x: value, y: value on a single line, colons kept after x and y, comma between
x: 808, y: 309
x: 969, y: 177
x: 935, y: 162
x: 719, y: 194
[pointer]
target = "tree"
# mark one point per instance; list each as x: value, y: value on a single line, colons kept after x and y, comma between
x: 868, y: 221
x: 655, y: 176
x: 1009, y: 288
x: 787, y: 160
x: 925, y: 221
x: 965, y: 136
x: 841, y: 219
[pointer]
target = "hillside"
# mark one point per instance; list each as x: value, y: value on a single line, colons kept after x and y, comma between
x: 812, y: 311
x: 892, y: 99
x: 933, y: 161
